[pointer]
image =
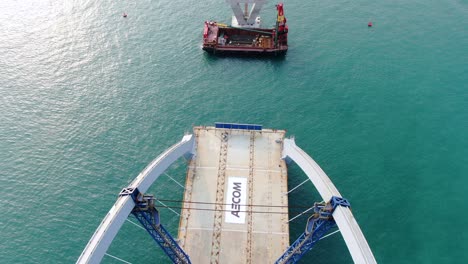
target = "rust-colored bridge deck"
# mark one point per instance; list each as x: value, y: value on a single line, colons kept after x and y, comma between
x: 239, y: 180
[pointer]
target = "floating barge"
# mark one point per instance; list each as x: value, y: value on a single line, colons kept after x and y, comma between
x: 235, y: 204
x: 245, y: 36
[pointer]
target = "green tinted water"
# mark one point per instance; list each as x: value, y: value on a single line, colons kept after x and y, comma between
x: 89, y: 98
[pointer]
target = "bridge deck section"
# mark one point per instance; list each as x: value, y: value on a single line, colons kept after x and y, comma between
x: 233, y: 172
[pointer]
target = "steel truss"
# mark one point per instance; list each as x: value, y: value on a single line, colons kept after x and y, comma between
x: 148, y: 216
x: 317, y: 226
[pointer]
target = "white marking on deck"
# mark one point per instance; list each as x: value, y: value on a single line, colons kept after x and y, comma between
x: 236, y: 196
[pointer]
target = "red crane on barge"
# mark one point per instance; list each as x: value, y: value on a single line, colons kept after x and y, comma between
x: 245, y: 36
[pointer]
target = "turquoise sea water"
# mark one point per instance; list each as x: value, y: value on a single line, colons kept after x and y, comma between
x: 89, y: 98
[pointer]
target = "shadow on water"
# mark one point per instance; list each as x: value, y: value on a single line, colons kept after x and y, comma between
x: 275, y: 62
x: 244, y: 57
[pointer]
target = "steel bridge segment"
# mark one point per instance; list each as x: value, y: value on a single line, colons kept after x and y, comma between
x: 148, y: 216
x: 350, y: 230
x: 110, y: 225
x: 317, y: 226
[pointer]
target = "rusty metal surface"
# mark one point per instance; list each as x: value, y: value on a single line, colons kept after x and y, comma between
x: 208, y: 236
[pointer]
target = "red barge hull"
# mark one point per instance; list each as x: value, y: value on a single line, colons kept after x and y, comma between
x: 222, y: 39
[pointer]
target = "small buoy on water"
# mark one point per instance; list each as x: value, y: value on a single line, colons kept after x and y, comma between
x: 369, y: 24
x: 124, y: 14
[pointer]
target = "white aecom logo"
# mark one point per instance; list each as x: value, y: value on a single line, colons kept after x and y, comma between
x: 236, y: 196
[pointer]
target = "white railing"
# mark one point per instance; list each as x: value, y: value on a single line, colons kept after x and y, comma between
x: 350, y: 230
x: 111, y: 224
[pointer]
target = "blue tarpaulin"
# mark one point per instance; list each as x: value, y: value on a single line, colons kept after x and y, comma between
x: 238, y: 126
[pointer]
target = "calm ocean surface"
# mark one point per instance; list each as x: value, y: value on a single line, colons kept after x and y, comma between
x: 89, y: 98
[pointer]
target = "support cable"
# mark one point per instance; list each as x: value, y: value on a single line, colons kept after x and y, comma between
x: 224, y: 210
x: 298, y: 186
x: 170, y: 208
x: 252, y: 205
x: 332, y: 233
x: 114, y: 257
x: 174, y: 180
x: 300, y: 214
x: 137, y: 225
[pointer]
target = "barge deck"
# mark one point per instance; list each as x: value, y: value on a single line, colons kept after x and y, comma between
x: 244, y: 35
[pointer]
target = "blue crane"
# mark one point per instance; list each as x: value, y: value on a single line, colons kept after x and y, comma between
x: 148, y: 216
x: 317, y: 226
